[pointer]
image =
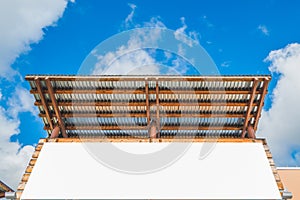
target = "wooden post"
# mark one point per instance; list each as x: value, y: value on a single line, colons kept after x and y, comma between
x: 57, y: 112
x: 247, y: 117
x: 147, y: 101
x: 55, y: 132
x: 44, y: 102
x: 251, y: 132
x: 157, y: 109
x: 153, y: 130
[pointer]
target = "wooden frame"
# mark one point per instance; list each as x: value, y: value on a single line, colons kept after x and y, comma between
x: 238, y: 85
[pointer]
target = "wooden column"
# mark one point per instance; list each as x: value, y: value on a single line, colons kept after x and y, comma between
x: 147, y: 101
x: 56, y: 109
x: 157, y: 108
x: 261, y: 103
x: 43, y: 101
x: 247, y: 117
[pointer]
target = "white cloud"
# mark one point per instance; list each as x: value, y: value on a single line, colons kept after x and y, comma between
x: 264, y: 30
x: 207, y: 22
x: 128, y: 20
x: 180, y: 34
x: 22, y: 23
x: 13, y: 158
x: 280, y: 124
x: 132, y: 58
x: 225, y: 64
x: 21, y: 101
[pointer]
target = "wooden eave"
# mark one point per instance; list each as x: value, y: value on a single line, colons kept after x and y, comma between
x: 79, y: 103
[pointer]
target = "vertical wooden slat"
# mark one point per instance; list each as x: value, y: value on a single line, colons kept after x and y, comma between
x: 147, y: 101
x: 43, y: 100
x: 54, y: 103
x: 255, y: 84
x: 261, y: 103
x: 157, y: 108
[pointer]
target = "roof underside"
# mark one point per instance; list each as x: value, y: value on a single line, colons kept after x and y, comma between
x: 125, y: 106
x: 4, y: 188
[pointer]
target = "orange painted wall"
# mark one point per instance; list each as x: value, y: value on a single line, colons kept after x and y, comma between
x: 291, y: 180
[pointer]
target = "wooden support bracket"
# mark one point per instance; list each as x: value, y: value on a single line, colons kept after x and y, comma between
x: 56, y: 109
x: 247, y: 117
x: 44, y: 102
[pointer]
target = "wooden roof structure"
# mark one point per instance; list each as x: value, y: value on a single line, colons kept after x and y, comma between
x: 123, y: 106
x: 122, y: 109
x: 4, y: 188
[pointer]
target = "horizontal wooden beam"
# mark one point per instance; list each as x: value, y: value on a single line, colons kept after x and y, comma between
x: 183, y: 127
x: 156, y: 140
x: 180, y: 103
x: 142, y: 91
x: 142, y: 78
x: 186, y: 115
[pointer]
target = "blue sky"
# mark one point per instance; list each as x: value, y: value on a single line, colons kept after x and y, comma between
x: 238, y: 35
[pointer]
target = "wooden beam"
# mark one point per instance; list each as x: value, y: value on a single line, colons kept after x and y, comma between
x: 247, y: 117
x: 141, y: 78
x: 157, y: 109
x: 161, y: 103
x: 261, y: 103
x: 56, y: 109
x: 5, y: 187
x: 147, y: 101
x: 183, y: 114
x: 142, y: 91
x: 158, y: 140
x: 44, y: 102
x: 179, y: 127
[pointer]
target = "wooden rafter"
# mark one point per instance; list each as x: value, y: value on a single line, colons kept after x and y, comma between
x: 147, y: 101
x: 75, y: 97
x: 4, y: 188
x: 57, y: 112
x: 261, y: 102
x: 44, y: 102
x: 250, y: 106
x: 157, y: 107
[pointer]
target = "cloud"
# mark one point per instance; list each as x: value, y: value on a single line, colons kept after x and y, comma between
x: 21, y: 101
x: 180, y: 34
x: 133, y: 58
x: 225, y: 64
x: 207, y: 22
x: 264, y: 30
x: 128, y: 20
x: 280, y: 124
x: 13, y: 158
x: 22, y: 23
